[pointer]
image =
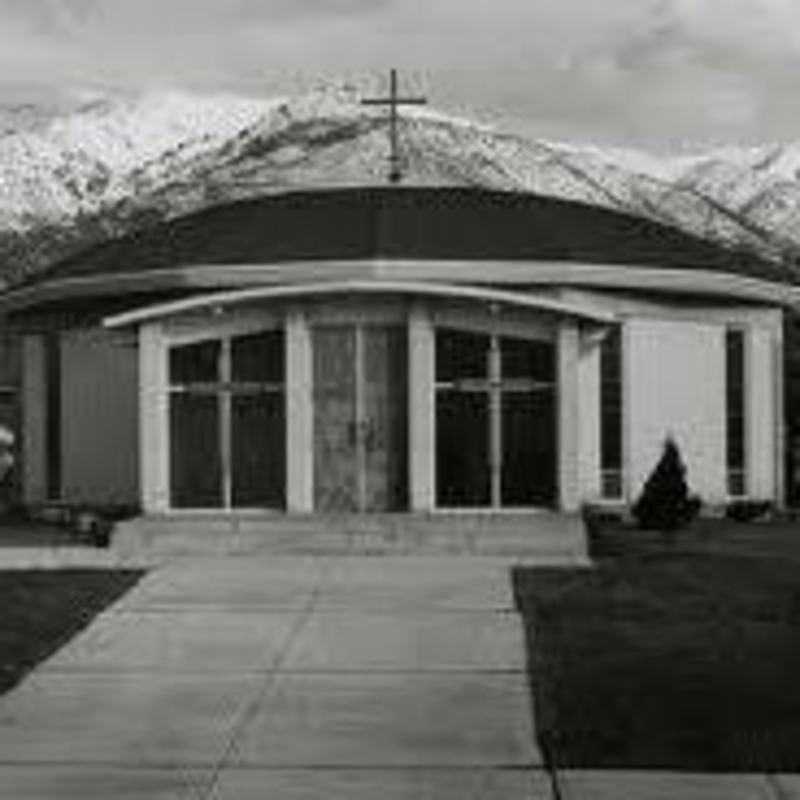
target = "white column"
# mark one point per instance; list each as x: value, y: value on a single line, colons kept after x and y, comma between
x: 780, y: 414
x: 568, y: 417
x: 34, y: 420
x: 421, y: 410
x: 760, y: 422
x: 153, y: 419
x: 299, y: 416
x: 589, y: 427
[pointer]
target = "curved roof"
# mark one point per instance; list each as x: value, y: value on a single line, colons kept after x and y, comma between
x: 411, y: 223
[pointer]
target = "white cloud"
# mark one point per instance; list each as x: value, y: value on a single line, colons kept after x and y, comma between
x: 659, y: 69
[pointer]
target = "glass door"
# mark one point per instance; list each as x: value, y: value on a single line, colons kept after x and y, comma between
x: 360, y: 418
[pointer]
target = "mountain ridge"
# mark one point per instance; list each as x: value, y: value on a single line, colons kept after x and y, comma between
x: 117, y: 165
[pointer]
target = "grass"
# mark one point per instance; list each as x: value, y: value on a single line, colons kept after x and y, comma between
x: 676, y: 656
x: 42, y: 610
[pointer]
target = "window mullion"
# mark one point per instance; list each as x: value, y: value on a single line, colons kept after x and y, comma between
x: 224, y: 395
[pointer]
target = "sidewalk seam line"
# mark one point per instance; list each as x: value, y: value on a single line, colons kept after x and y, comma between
x: 250, y: 708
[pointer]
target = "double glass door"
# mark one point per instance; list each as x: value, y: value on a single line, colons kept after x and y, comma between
x: 360, y: 417
x: 496, y: 431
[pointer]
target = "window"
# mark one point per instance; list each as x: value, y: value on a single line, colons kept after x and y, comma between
x: 611, y: 415
x: 227, y: 422
x: 735, y: 412
x: 495, y: 421
x: 10, y: 372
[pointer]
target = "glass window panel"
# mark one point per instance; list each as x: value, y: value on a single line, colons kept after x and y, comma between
x: 611, y: 450
x: 194, y: 363
x: 611, y: 484
x: 734, y: 381
x: 529, y: 449
x: 10, y: 466
x: 258, y: 358
x: 521, y: 358
x: 611, y: 402
x: 463, y: 477
x: 735, y: 443
x: 258, y: 450
x: 611, y: 357
x: 460, y: 354
x: 195, y: 463
x: 736, y: 483
x: 10, y: 360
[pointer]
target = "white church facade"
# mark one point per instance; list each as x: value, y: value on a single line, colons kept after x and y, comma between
x: 397, y: 349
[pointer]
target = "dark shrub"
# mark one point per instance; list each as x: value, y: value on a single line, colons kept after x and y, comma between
x: 665, y: 504
x: 748, y: 510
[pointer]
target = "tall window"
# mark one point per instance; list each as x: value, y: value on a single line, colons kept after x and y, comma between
x: 10, y: 372
x: 227, y: 431
x: 735, y: 412
x: 495, y: 421
x: 611, y: 415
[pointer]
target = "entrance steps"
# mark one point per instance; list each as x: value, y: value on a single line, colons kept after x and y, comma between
x: 543, y: 535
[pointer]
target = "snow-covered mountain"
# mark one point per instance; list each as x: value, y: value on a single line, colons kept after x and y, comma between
x: 118, y: 164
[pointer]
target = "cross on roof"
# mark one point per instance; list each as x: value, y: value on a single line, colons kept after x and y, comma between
x: 394, y: 101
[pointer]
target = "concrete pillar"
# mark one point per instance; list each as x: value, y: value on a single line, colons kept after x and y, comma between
x: 299, y: 415
x: 153, y: 419
x: 34, y: 420
x: 421, y: 410
x: 760, y: 421
x: 780, y: 414
x: 568, y: 417
x: 589, y: 417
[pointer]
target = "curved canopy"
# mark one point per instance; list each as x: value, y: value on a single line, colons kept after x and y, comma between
x: 216, y: 300
x: 416, y: 223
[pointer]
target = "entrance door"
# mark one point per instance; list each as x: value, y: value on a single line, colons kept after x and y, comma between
x: 495, y: 421
x: 360, y: 419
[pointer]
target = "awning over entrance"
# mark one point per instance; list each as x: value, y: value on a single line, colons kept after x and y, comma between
x: 218, y: 300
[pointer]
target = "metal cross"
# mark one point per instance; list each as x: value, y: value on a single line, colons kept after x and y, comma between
x: 394, y: 101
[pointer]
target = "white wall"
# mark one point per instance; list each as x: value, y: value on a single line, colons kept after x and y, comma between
x: 99, y: 418
x: 674, y: 373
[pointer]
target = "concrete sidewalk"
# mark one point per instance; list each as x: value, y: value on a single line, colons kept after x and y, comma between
x: 286, y: 677
x: 306, y: 677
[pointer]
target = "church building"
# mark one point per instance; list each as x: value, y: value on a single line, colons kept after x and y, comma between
x: 395, y: 348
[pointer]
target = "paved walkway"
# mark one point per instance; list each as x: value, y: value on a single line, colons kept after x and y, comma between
x: 305, y: 678
x: 291, y: 677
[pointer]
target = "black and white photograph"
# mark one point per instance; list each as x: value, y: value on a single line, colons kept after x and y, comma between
x: 400, y: 400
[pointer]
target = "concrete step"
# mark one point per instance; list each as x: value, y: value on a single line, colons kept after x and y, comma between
x: 548, y: 535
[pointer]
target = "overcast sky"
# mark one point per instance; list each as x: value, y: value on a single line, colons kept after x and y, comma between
x: 661, y: 73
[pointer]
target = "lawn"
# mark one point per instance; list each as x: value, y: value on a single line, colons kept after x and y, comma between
x: 682, y: 655
x: 42, y: 610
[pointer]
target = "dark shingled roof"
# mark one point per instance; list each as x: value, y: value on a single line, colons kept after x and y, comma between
x: 404, y: 222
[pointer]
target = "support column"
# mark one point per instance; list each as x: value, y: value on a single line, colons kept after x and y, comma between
x: 780, y: 414
x: 421, y: 410
x: 568, y: 417
x: 34, y: 420
x: 760, y: 406
x: 153, y: 420
x: 299, y: 416
x: 589, y: 400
